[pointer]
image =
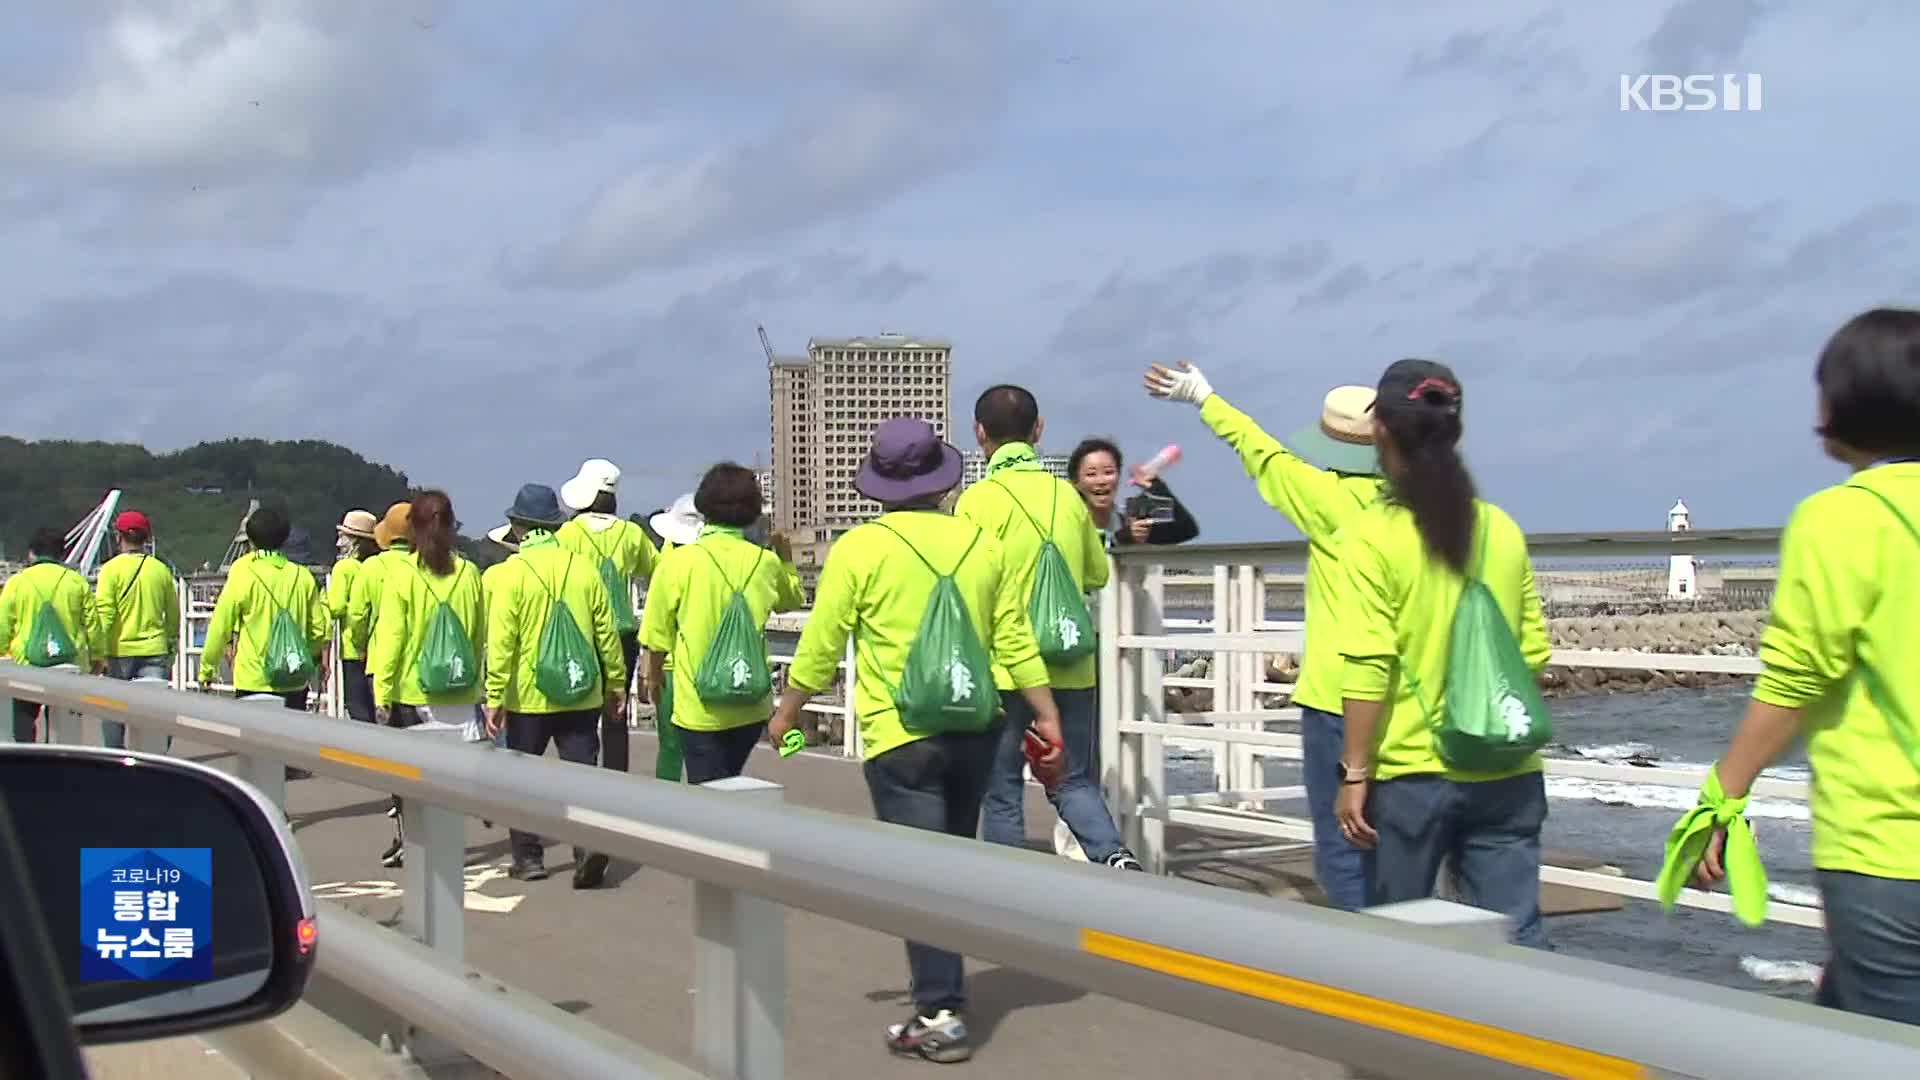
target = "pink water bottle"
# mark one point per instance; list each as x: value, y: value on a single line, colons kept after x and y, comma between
x: 1145, y: 474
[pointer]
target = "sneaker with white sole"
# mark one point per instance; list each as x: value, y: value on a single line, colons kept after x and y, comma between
x: 1124, y: 860
x: 940, y: 1038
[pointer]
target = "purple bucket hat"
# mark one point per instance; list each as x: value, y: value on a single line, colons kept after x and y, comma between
x: 908, y: 461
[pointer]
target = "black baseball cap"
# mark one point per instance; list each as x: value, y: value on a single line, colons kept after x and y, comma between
x: 1417, y: 384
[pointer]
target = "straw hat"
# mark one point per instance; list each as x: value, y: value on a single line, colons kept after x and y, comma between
x: 394, y: 526
x: 1343, y: 439
x: 358, y: 523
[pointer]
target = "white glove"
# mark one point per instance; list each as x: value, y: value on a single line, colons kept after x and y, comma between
x: 1183, y: 382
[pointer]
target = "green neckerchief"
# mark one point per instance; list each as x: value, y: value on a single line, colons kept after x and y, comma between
x: 1740, y: 857
x: 722, y: 530
x: 1013, y: 455
x: 38, y: 559
x: 537, y: 538
x: 273, y: 557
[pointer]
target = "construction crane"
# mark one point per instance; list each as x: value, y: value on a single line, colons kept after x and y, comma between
x: 765, y: 344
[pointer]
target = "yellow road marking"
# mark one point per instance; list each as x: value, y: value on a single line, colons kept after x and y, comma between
x: 382, y: 765
x: 1552, y: 1058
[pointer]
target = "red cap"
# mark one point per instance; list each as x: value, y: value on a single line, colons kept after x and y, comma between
x: 131, y: 520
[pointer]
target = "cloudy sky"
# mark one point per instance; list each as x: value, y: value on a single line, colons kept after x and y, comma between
x: 483, y: 241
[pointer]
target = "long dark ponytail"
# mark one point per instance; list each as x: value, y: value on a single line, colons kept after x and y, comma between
x: 1419, y: 405
x: 433, y: 522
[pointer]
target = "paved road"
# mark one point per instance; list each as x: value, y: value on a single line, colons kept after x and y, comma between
x: 163, y: 1059
x: 622, y: 956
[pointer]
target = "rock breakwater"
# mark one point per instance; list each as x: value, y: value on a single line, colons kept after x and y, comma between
x: 1720, y: 633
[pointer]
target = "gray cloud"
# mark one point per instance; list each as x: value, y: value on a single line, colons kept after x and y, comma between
x: 899, y: 116
x: 1342, y: 285
x: 1648, y: 264
x: 1704, y: 35
x: 1524, y: 57
x: 1167, y: 314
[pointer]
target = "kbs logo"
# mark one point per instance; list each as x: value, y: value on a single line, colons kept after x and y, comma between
x: 1689, y: 93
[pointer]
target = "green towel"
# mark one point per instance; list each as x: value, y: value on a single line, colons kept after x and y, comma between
x: 1687, y: 843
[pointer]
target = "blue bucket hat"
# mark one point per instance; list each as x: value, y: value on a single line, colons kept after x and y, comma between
x: 537, y: 504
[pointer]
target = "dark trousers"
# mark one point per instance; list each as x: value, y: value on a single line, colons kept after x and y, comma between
x: 1489, y: 831
x: 26, y: 715
x: 577, y: 734
x: 356, y: 690
x: 937, y: 784
x: 400, y: 716
x: 716, y: 755
x: 613, y: 729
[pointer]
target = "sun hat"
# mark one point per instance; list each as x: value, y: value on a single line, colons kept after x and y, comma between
x: 680, y: 523
x: 1342, y: 441
x: 536, y: 504
x: 360, y: 523
x: 908, y: 461
x: 395, y: 526
x: 501, y: 534
x: 597, y: 476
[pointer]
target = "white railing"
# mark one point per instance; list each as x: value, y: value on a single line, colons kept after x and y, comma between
x: 1245, y: 728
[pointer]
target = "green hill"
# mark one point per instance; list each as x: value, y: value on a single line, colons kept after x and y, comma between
x: 195, y: 496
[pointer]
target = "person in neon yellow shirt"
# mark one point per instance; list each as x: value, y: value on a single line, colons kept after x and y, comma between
x: 689, y: 594
x: 598, y: 533
x: 417, y: 584
x: 677, y: 527
x: 1838, y: 659
x: 45, y: 580
x: 526, y: 592
x: 356, y: 546
x: 877, y: 582
x: 136, y: 610
x: 1403, y: 561
x: 1326, y: 474
x: 392, y: 534
x: 259, y: 584
x: 1023, y: 506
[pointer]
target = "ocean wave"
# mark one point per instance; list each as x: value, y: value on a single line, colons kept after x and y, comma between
x: 1780, y: 971
x: 1656, y: 797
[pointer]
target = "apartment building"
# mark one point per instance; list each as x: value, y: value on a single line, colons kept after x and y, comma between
x: 823, y: 408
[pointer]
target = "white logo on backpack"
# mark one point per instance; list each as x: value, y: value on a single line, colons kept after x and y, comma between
x: 1513, y: 714
x: 1069, y: 632
x: 739, y: 671
x: 457, y: 667
x: 960, y: 676
x: 576, y: 674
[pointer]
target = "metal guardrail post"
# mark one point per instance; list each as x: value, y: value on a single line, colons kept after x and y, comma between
x: 143, y: 739
x: 269, y: 774
x: 739, y: 971
x: 6, y: 715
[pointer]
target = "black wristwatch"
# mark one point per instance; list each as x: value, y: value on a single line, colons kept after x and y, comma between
x: 1350, y: 775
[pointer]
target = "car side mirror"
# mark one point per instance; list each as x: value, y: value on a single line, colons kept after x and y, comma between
x: 172, y: 894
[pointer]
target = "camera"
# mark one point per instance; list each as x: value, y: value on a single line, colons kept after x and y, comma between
x: 1147, y: 506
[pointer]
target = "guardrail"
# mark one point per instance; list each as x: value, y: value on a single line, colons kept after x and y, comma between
x: 1370, y: 991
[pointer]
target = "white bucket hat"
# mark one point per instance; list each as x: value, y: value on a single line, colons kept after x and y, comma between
x: 680, y: 524
x: 498, y: 535
x: 597, y: 476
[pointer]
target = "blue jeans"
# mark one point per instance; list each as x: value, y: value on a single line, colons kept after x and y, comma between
x: 935, y: 784
x: 1076, y: 799
x: 1489, y: 831
x: 1341, y: 868
x: 1873, y: 943
x: 113, y: 733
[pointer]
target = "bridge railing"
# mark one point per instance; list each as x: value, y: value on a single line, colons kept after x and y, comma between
x: 1378, y: 991
x: 1243, y: 729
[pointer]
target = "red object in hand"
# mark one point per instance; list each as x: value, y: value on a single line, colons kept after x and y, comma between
x: 1038, y: 748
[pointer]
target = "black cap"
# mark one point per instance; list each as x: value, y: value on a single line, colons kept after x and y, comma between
x: 1417, y: 384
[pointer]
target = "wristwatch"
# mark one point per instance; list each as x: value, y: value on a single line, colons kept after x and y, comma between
x: 1351, y: 775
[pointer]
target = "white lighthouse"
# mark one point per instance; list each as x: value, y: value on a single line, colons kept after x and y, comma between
x: 1682, y: 583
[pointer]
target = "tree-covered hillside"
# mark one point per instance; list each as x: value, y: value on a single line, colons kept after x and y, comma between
x: 195, y: 496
